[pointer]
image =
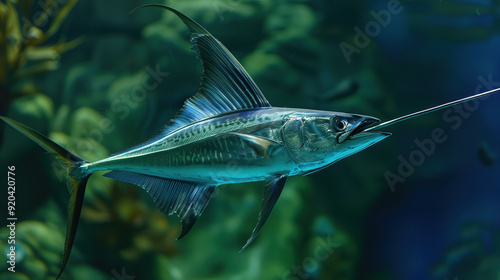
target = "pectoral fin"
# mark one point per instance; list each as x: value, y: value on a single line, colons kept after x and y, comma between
x: 262, y: 146
x: 271, y: 194
x: 186, y: 199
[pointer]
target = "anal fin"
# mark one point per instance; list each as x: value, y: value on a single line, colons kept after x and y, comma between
x: 271, y: 194
x: 186, y: 199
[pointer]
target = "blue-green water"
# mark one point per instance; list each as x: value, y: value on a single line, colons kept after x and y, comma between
x: 436, y: 218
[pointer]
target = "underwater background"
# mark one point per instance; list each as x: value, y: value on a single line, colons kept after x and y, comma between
x: 409, y: 207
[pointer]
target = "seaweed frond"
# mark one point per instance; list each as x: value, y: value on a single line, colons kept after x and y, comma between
x: 24, y: 32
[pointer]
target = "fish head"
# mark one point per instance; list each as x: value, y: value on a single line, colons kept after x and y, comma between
x: 317, y: 140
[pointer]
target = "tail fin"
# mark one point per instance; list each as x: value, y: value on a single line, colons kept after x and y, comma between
x: 77, y: 179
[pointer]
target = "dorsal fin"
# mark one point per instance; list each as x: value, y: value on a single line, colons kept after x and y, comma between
x: 225, y: 84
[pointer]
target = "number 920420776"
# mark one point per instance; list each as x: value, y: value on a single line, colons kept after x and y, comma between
x: 11, y: 191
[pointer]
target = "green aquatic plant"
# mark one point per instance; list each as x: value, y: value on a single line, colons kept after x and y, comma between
x: 36, y: 250
x: 124, y: 211
x: 24, y: 47
x: 474, y: 255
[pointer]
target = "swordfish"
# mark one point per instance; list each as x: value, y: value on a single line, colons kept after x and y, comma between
x: 228, y: 122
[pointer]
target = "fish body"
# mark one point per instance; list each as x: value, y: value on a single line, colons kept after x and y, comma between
x: 221, y: 150
x: 226, y: 133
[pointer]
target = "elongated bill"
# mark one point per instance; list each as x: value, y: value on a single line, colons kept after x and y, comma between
x: 362, y: 124
x: 432, y: 109
x: 363, y: 140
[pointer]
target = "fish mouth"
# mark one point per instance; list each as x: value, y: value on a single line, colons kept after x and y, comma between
x: 363, y: 140
x: 359, y: 131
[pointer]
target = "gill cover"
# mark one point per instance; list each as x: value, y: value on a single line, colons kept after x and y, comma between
x: 309, y: 139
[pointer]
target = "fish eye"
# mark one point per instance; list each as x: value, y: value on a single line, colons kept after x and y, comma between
x: 340, y: 124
